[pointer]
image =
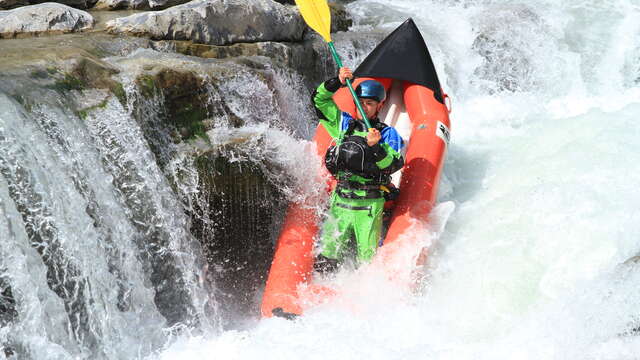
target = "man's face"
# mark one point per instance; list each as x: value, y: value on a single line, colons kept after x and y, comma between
x: 370, y: 107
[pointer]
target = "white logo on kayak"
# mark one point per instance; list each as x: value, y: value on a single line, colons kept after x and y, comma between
x: 443, y: 132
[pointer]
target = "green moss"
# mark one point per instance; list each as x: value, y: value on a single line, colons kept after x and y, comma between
x: 147, y: 85
x: 66, y: 84
x: 85, y: 112
x: 52, y: 70
x: 184, y: 100
x: 190, y: 118
x: 197, y: 130
x: 189, y: 114
x: 118, y: 90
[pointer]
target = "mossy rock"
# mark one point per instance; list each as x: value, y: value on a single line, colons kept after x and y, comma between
x: 67, y: 83
x: 85, y: 112
x: 216, y: 51
x: 94, y: 73
x: 117, y: 89
x: 185, y: 99
x: 147, y: 85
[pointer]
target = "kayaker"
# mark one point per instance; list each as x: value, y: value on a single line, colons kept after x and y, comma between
x: 362, y: 163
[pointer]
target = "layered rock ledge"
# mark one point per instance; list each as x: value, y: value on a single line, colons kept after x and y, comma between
x: 137, y: 4
x: 216, y: 22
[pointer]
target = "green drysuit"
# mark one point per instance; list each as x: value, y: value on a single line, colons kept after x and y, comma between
x: 357, y: 204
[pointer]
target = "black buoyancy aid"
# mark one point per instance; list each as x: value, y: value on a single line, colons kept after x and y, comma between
x: 353, y: 156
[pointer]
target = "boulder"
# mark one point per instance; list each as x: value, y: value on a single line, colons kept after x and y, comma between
x: 78, y: 4
x: 216, y: 22
x: 44, y: 18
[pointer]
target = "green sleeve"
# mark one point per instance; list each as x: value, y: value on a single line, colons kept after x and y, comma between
x: 328, y: 112
x: 387, y: 159
x: 390, y: 158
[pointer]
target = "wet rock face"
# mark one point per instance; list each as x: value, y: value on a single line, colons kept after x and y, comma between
x: 216, y: 22
x: 185, y: 100
x: 340, y: 20
x: 238, y: 219
x: 309, y: 58
x: 43, y: 19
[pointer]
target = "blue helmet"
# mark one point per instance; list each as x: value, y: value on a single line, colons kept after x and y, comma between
x: 371, y: 89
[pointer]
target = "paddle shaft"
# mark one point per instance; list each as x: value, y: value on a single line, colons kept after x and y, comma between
x: 353, y: 93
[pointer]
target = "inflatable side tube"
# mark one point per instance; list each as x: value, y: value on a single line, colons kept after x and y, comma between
x: 292, y: 263
x: 424, y: 159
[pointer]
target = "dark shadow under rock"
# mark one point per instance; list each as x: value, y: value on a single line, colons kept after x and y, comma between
x: 239, y: 215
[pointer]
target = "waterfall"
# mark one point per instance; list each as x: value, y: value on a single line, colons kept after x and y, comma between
x: 111, y: 259
x: 137, y: 213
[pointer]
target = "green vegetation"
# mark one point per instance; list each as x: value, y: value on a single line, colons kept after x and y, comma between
x: 85, y: 112
x: 190, y: 118
x: 66, y: 84
x: 184, y: 100
x: 147, y: 85
x: 197, y: 130
x: 118, y: 90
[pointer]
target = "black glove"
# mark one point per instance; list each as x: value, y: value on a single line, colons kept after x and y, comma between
x: 393, y: 194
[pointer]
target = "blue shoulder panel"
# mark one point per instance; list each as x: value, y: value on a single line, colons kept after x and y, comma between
x: 346, y: 119
x: 392, y: 138
x: 389, y: 134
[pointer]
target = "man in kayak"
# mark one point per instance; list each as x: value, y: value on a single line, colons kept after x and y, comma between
x: 362, y: 163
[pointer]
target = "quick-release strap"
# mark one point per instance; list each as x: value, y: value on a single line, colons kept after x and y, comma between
x: 357, y: 186
x: 353, y: 207
x: 350, y: 194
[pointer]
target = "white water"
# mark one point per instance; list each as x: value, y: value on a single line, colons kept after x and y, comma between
x: 542, y: 169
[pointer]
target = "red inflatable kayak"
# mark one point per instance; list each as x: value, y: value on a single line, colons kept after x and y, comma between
x: 416, y: 108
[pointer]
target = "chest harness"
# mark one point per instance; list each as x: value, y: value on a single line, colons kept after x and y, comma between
x: 353, y: 164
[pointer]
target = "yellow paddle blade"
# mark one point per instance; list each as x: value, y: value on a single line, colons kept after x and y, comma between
x: 317, y: 15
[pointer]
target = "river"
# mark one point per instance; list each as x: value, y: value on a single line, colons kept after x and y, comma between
x: 541, y: 170
x: 538, y: 214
